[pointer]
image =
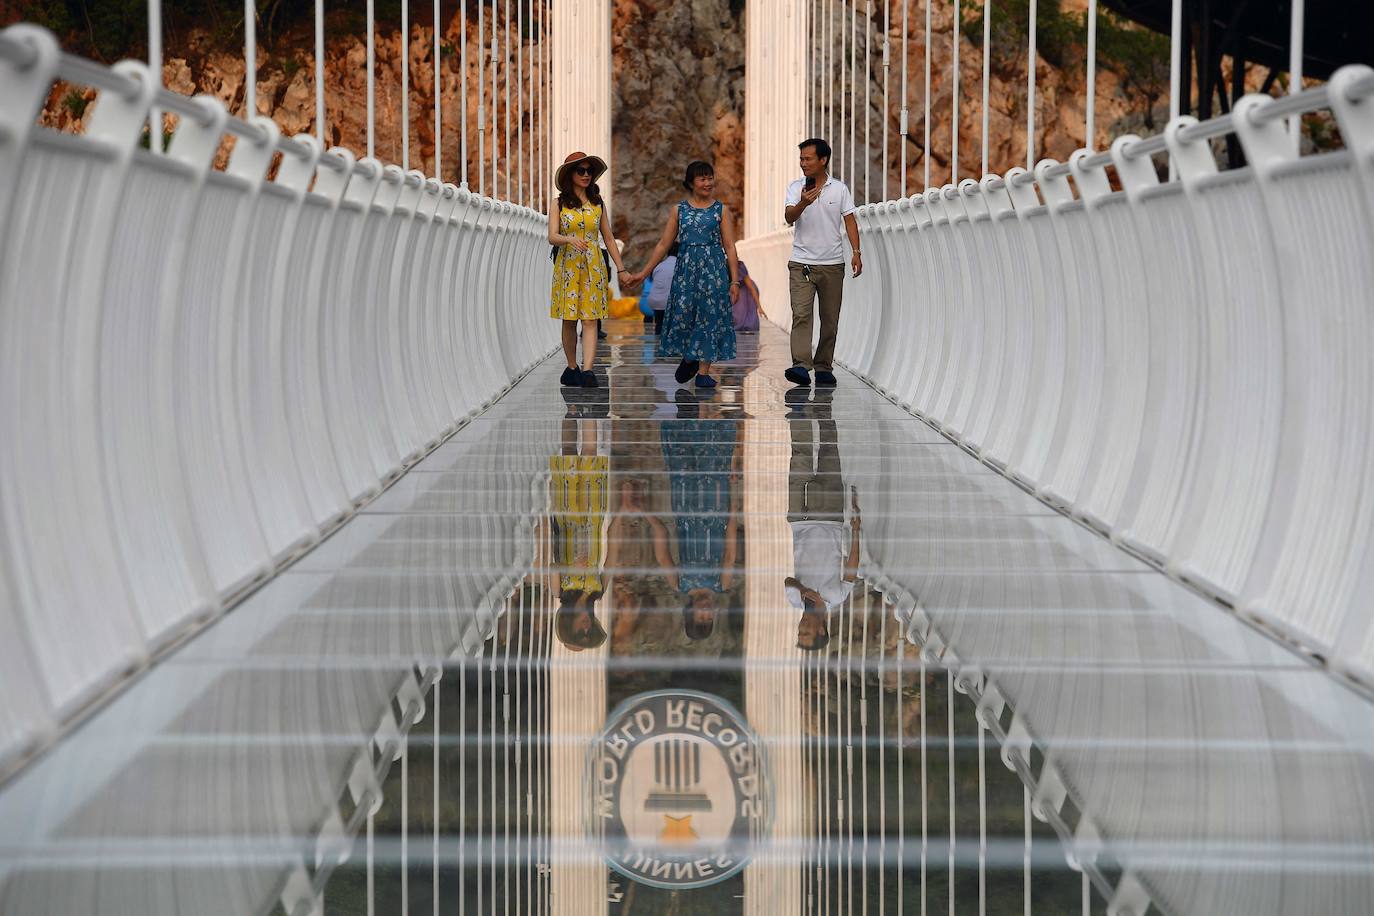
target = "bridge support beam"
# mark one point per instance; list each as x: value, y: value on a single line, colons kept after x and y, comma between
x: 581, y: 75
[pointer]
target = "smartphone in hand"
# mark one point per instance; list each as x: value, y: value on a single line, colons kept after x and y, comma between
x: 810, y: 182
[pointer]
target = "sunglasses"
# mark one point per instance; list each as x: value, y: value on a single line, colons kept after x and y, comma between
x: 583, y: 170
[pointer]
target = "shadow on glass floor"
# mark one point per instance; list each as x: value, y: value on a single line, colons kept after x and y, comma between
x: 766, y: 651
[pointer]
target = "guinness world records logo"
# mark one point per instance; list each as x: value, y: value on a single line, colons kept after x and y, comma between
x: 681, y: 789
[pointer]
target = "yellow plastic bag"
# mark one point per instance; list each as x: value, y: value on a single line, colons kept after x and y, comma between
x: 625, y: 307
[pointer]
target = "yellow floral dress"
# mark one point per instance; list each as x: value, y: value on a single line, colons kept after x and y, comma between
x: 579, y: 278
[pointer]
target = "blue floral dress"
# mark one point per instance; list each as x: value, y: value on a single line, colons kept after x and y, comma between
x: 698, y: 455
x: 699, y: 323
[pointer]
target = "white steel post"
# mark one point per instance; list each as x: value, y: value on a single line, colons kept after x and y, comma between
x: 1295, y: 46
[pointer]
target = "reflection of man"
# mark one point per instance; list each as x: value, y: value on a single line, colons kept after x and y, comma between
x: 825, y: 549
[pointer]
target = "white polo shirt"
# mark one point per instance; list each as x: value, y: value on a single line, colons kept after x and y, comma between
x: 819, y: 551
x: 818, y: 236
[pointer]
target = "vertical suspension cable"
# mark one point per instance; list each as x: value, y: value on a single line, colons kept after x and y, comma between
x: 495, y: 146
x: 987, y: 74
x: 481, y: 119
x: 925, y: 150
x: 1087, y: 894
x: 155, y: 66
x: 901, y: 744
x: 887, y: 71
x: 827, y: 73
x: 1091, y: 132
x: 319, y: 72
x: 462, y: 771
x: 405, y: 822
x: 1030, y: 91
x: 842, y: 118
x: 903, y: 124
x: 491, y: 664
x: 868, y: 93
x: 505, y: 732
x: 1026, y: 852
x: 882, y: 752
x: 405, y: 85
x: 925, y: 831
x: 982, y: 817
x: 849, y: 705
x: 863, y: 721
x: 480, y: 740
x: 371, y: 867
x: 954, y: 99
x: 434, y: 771
x: 505, y: 59
x: 371, y: 80
x: 463, y: 95
x: 1295, y: 47
x: 250, y: 60
x: 520, y: 94
x: 438, y: 116
x: 853, y: 93
x: 1175, y: 67
x: 949, y: 750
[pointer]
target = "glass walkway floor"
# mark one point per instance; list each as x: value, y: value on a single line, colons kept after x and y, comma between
x: 639, y: 649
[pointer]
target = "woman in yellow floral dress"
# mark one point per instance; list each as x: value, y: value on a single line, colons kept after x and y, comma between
x: 580, y: 278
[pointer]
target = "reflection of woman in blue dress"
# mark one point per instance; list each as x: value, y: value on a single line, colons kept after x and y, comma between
x: 702, y: 457
x: 699, y: 324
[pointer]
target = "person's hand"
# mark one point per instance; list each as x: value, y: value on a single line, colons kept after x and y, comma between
x: 631, y: 279
x: 580, y: 245
x: 734, y: 293
x: 809, y: 197
x: 855, y: 521
x: 857, y: 264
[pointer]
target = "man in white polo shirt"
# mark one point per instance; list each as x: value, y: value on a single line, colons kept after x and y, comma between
x: 822, y: 210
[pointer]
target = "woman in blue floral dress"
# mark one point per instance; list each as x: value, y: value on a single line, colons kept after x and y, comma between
x: 699, y: 324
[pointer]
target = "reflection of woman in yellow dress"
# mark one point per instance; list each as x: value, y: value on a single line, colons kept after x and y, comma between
x: 580, y: 278
x: 579, y: 484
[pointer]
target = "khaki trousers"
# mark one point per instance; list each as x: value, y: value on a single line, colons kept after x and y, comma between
x: 806, y: 283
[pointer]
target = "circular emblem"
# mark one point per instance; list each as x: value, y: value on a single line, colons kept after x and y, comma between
x: 681, y: 789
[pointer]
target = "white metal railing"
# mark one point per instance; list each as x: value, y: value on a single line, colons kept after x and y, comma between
x: 204, y: 371
x: 1183, y: 365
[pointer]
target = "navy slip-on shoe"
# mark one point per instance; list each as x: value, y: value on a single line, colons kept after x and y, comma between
x: 570, y: 377
x: 705, y: 381
x: 826, y: 378
x: 798, y: 375
x: 589, y: 380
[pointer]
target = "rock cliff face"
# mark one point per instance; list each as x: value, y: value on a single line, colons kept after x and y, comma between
x: 679, y: 95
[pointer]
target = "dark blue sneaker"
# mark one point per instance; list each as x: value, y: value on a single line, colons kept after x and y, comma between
x: 589, y: 380
x: 570, y: 377
x: 798, y: 375
x: 826, y: 378
x: 705, y: 381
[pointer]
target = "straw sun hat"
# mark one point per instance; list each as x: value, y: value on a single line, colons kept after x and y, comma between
x: 563, y: 178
